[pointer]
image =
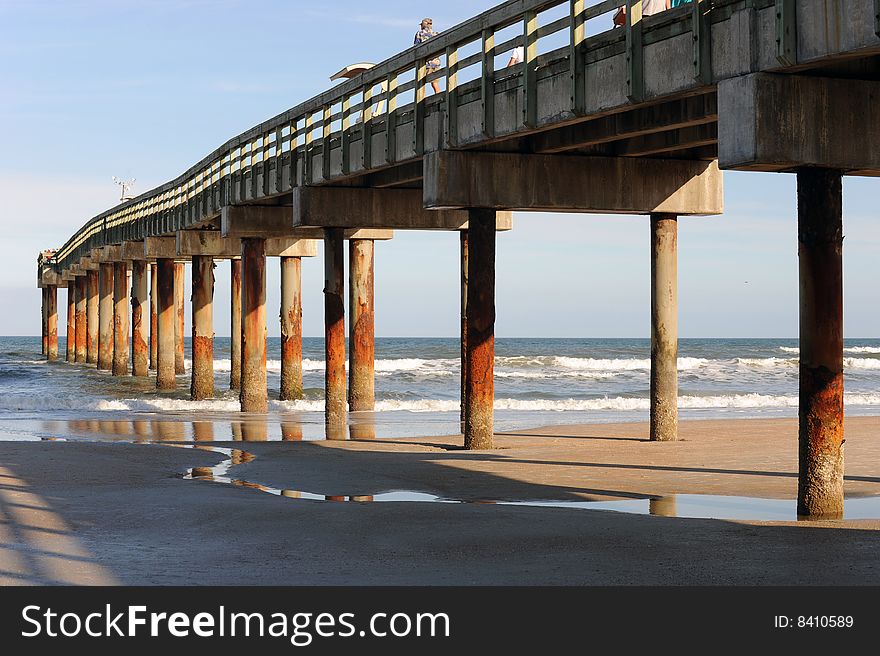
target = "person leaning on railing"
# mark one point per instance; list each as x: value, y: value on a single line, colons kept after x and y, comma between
x: 426, y: 31
x: 649, y: 7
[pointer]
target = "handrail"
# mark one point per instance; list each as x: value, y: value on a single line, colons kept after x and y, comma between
x: 295, y: 128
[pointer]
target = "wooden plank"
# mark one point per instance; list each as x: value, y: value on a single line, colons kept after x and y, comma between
x: 635, y: 54
x: 576, y: 58
x: 530, y: 73
x: 487, y: 84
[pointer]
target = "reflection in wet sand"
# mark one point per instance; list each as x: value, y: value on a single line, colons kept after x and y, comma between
x: 335, y: 432
x: 663, y: 506
x: 142, y: 429
x: 291, y: 432
x: 254, y: 431
x: 366, y: 499
x: 203, y: 431
x: 236, y: 431
x: 362, y: 430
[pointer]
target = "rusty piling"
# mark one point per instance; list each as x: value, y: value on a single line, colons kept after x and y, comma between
x: 105, y: 317
x: 202, y: 383
x: 140, y: 350
x: 81, y: 302
x: 362, y: 333
x: 44, y: 320
x: 165, y: 372
x: 51, y: 323
x: 121, y: 303
x: 235, y: 334
x: 154, y: 316
x: 821, y: 433
x: 334, y: 332
x: 664, y: 328
x: 254, y: 394
x: 91, y: 329
x: 71, y: 321
x: 463, y: 249
x: 480, y: 364
x: 180, y: 325
x: 291, y: 329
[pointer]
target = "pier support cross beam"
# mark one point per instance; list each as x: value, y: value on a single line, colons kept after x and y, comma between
x: 362, y: 332
x: 334, y: 334
x: 202, y: 383
x: 664, y: 328
x: 480, y: 361
x: 820, y: 433
x: 254, y: 394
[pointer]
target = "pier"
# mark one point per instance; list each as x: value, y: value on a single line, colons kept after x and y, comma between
x: 637, y: 120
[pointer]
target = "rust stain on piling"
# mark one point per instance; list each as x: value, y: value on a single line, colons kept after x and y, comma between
x: 180, y: 325
x: 139, y: 347
x: 81, y: 290
x: 71, y: 321
x: 120, y: 319
x: 480, y: 364
x: 91, y: 329
x: 52, y: 323
x: 362, y: 336
x: 821, y: 412
x: 254, y: 395
x: 334, y: 333
x: 202, y: 383
x: 165, y: 371
x: 154, y: 316
x: 235, y: 334
x: 291, y: 329
x: 105, y: 318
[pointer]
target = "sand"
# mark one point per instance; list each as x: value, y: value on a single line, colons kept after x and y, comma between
x: 119, y: 513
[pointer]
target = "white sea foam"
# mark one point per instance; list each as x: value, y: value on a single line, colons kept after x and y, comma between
x: 862, y: 349
x: 768, y: 363
x: 789, y: 349
x: 861, y: 363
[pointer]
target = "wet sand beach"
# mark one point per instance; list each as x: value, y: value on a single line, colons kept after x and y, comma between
x: 121, y: 513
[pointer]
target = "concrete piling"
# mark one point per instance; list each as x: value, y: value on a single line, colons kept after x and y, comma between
x: 81, y: 302
x: 291, y: 329
x: 44, y: 320
x: 235, y: 334
x: 105, y: 317
x: 334, y: 332
x: 463, y: 243
x: 664, y: 328
x: 121, y: 303
x: 202, y: 384
x: 51, y: 323
x: 165, y: 371
x: 71, y: 321
x: 362, y: 333
x: 821, y: 431
x: 154, y: 316
x: 140, y: 350
x: 480, y: 363
x: 91, y: 329
x: 180, y: 325
x: 254, y: 394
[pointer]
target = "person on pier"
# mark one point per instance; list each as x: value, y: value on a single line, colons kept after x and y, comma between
x: 426, y: 31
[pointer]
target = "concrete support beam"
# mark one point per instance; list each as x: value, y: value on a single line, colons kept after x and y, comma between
x: 821, y: 434
x: 160, y: 247
x: 121, y: 302
x: 191, y: 243
x: 180, y: 325
x: 165, y: 370
x: 88, y: 264
x: 291, y: 329
x: 772, y: 122
x: 71, y: 321
x: 664, y: 327
x: 105, y: 317
x: 140, y: 319
x: 51, y: 323
x: 81, y: 296
x: 480, y: 360
x: 559, y: 183
x: 273, y: 221
x: 235, y: 334
x: 362, y: 333
x: 202, y: 384
x: 93, y: 311
x: 133, y: 251
x: 154, y: 316
x: 348, y: 207
x: 463, y: 249
x: 254, y: 394
x: 291, y: 247
x: 334, y: 334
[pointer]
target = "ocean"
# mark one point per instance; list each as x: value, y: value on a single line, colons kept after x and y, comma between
x: 538, y: 382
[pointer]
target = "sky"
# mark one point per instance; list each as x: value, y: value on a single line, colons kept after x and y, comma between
x: 91, y: 89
